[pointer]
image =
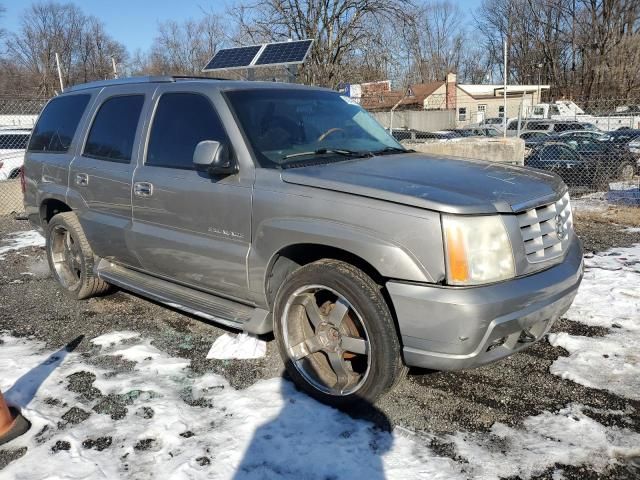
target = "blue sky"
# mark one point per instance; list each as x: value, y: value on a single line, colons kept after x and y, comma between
x: 134, y: 22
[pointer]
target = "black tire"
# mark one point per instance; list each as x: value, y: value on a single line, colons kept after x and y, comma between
x: 78, y: 281
x: 367, y: 305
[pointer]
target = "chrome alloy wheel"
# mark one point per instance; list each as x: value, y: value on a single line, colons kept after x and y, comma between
x: 326, y: 340
x: 66, y: 256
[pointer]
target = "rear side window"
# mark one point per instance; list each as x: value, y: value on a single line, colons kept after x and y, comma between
x: 114, y: 129
x: 181, y: 121
x: 58, y: 123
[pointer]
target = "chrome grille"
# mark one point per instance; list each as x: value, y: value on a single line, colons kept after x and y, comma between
x: 546, y: 230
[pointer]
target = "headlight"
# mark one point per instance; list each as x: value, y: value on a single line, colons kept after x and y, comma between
x: 477, y: 250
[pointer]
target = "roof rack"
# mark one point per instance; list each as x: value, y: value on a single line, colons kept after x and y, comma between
x: 134, y: 80
x: 122, y: 81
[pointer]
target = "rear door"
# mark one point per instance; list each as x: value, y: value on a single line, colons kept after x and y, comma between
x: 102, y: 173
x: 190, y: 227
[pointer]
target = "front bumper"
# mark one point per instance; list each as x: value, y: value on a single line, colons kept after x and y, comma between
x: 451, y: 328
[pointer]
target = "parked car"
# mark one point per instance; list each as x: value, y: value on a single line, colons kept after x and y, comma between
x: 591, y: 134
x: 480, y: 131
x: 12, y: 146
x: 581, y: 162
x: 401, y: 134
x: 276, y: 207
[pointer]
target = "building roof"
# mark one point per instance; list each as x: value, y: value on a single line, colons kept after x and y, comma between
x: 492, y: 90
x: 415, y: 94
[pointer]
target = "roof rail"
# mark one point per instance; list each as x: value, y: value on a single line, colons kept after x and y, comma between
x: 196, y: 77
x: 122, y: 81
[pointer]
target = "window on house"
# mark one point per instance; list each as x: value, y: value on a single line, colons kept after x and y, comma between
x: 482, y: 108
x: 501, y: 111
x: 462, y: 114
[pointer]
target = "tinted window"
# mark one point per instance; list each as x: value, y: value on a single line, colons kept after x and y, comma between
x: 114, y: 129
x: 182, y: 120
x: 58, y: 123
x: 14, y: 141
x: 537, y: 126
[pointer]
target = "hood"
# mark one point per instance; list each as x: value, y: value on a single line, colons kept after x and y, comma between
x: 446, y: 184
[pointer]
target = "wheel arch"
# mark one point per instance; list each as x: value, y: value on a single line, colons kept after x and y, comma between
x: 297, y: 255
x: 50, y: 207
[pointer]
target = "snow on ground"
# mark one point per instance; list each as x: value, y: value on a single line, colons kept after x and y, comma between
x: 241, y: 346
x: 18, y: 240
x: 173, y: 423
x: 268, y: 430
x: 609, y: 297
x: 568, y: 437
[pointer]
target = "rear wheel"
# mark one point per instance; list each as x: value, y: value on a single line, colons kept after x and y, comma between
x: 71, y: 258
x: 336, y: 335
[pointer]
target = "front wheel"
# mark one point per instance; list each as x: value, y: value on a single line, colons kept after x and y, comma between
x: 336, y: 334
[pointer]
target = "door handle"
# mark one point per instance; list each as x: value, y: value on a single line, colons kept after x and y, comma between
x: 82, y: 179
x: 142, y: 189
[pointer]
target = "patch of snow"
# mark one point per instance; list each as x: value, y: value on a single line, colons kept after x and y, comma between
x: 632, y: 229
x: 608, y: 297
x: 184, y: 426
x: 242, y: 346
x: 568, y: 437
x: 19, y: 240
x: 114, y: 338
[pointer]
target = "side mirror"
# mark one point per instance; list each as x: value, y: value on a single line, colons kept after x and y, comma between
x: 214, y: 157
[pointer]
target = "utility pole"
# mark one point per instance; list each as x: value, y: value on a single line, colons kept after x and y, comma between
x: 59, y: 72
x: 504, y: 133
x: 115, y: 69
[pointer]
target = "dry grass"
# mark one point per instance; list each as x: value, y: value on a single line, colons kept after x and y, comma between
x: 615, y: 215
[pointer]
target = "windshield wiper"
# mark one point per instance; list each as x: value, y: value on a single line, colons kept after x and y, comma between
x: 391, y: 150
x: 324, y: 151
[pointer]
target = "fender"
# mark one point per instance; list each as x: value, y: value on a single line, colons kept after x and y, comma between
x: 388, y: 258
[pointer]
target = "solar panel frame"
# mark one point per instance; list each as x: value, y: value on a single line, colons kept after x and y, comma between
x: 301, y: 49
x: 283, y: 53
x: 233, y: 58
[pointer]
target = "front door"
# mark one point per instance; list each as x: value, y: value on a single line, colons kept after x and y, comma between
x: 190, y: 227
x: 103, y: 171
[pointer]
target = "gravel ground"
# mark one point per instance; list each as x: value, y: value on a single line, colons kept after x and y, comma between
x: 435, y: 402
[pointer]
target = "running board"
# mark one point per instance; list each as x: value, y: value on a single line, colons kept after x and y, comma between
x: 204, y: 305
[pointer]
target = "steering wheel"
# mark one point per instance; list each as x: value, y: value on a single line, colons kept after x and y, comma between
x: 331, y: 131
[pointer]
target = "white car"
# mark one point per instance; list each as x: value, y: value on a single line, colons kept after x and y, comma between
x: 13, y: 143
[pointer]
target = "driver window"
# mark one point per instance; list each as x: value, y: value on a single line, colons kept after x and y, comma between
x: 181, y: 121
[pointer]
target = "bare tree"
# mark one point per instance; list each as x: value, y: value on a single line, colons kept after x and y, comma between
x: 343, y: 30
x: 185, y: 48
x: 84, y: 48
x: 436, y: 41
x: 583, y: 48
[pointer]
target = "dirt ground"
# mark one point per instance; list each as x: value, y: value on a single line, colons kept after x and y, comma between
x: 437, y: 402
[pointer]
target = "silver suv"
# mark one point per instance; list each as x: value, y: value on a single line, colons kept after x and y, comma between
x: 276, y: 207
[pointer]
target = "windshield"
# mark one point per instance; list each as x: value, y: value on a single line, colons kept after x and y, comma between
x: 286, y: 126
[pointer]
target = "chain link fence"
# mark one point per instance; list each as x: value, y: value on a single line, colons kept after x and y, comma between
x: 17, y: 117
x: 594, y: 145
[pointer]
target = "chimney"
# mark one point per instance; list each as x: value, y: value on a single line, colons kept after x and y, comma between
x: 451, y: 91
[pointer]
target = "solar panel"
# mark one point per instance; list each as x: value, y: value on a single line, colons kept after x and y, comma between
x: 284, y: 52
x: 240, y: 57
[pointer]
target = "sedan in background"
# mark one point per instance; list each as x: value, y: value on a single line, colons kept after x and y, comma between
x: 13, y: 143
